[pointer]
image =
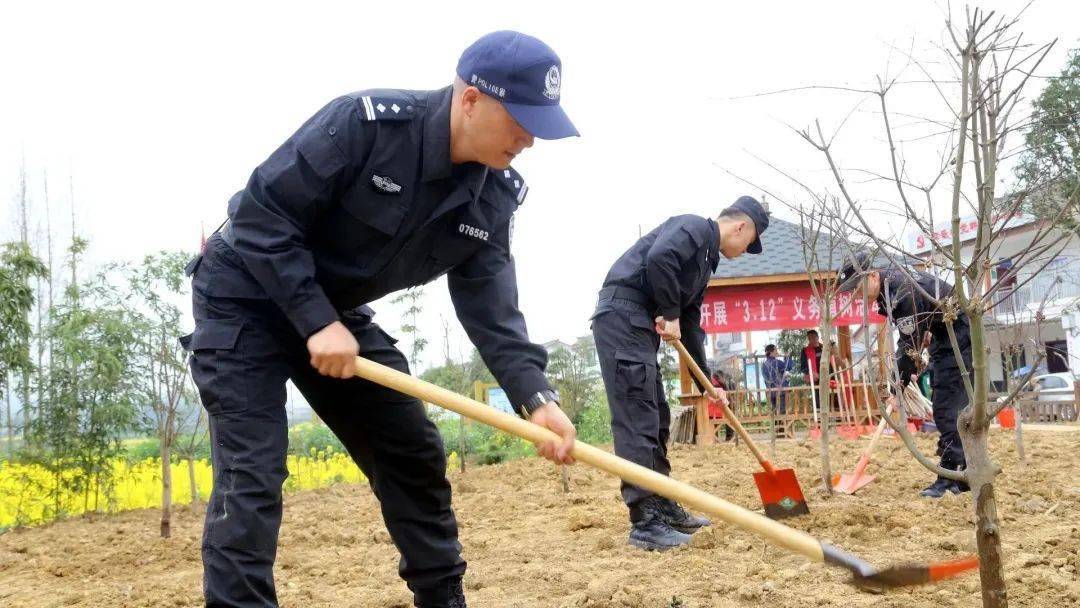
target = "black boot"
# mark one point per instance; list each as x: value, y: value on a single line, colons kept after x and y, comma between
x: 650, y: 531
x: 960, y: 486
x: 448, y: 594
x: 937, y: 489
x: 678, y: 518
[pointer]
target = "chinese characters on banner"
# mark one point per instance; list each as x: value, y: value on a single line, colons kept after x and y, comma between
x: 969, y: 229
x: 781, y: 306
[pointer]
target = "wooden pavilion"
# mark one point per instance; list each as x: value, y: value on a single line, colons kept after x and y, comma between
x: 773, y: 291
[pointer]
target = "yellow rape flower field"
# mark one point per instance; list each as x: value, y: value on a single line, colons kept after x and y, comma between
x: 28, y: 497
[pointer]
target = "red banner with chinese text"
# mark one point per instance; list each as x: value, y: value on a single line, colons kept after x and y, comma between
x: 781, y: 306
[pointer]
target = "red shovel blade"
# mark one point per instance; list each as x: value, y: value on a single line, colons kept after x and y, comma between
x: 850, y: 483
x: 781, y: 494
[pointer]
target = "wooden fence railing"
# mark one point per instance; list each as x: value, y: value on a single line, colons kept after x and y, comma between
x: 794, y: 410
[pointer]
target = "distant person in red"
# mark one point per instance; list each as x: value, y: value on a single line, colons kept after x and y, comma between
x: 719, y: 382
x: 808, y: 359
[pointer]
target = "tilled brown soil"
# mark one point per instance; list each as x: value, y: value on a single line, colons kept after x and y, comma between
x: 529, y: 544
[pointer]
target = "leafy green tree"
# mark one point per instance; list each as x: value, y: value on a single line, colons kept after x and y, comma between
x: 160, y: 363
x: 575, y: 374
x: 669, y: 372
x: 791, y: 342
x: 1049, y: 169
x: 459, y: 377
x: 411, y: 299
x: 91, y: 395
x: 18, y: 267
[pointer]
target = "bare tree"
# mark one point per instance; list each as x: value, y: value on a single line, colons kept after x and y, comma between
x: 822, y: 223
x: 990, y: 67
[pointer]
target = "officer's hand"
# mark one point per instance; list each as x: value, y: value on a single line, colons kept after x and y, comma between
x: 333, y: 351
x: 891, y: 402
x: 722, y: 394
x: 668, y: 330
x: 551, y: 417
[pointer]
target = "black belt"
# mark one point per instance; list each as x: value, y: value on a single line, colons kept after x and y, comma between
x: 624, y: 293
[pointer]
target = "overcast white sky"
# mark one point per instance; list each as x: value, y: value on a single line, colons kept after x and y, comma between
x: 160, y: 111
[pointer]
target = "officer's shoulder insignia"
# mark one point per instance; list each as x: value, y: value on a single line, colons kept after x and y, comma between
x: 513, y: 181
x: 385, y: 107
x: 906, y: 325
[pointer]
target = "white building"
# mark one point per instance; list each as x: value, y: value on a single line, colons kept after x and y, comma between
x: 1048, y: 279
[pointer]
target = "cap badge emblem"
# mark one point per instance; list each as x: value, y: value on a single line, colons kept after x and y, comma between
x: 552, y: 83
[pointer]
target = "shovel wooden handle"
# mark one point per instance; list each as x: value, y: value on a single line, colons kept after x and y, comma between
x: 866, y: 392
x: 877, y: 433
x: 775, y: 532
x: 728, y: 414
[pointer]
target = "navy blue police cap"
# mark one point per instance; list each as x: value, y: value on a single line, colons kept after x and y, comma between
x: 524, y: 75
x: 857, y: 266
x: 751, y: 207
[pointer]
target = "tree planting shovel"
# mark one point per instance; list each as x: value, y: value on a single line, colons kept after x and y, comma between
x: 796, y: 541
x: 849, y: 484
x: 779, y: 489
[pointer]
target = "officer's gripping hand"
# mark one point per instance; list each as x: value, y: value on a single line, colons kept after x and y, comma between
x: 551, y: 417
x: 668, y: 330
x: 333, y: 351
x: 722, y: 394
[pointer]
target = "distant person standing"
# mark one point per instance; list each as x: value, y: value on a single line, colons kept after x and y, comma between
x: 772, y: 371
x: 653, y: 292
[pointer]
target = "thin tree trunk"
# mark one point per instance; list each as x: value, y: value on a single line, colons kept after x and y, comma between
x: 1019, y: 434
x: 24, y: 236
x: 166, y: 489
x: 825, y: 410
x: 461, y: 443
x: 25, y: 393
x: 10, y: 428
x: 981, y: 472
x: 191, y: 480
x: 825, y: 405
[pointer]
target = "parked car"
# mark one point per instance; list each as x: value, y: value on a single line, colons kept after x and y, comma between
x: 1054, y: 387
x: 1057, y: 388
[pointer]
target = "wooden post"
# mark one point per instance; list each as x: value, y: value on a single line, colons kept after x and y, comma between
x: 704, y: 425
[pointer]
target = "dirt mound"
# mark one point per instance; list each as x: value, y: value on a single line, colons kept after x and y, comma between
x: 529, y: 544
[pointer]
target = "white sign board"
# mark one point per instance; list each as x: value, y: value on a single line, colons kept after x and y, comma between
x: 969, y: 228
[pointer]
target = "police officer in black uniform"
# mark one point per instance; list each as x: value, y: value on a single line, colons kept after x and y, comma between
x: 653, y: 292
x: 914, y: 315
x: 379, y: 191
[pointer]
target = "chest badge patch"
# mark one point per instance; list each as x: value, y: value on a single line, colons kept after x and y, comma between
x: 906, y: 325
x: 385, y: 184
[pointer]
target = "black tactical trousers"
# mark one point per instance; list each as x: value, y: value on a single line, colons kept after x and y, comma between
x: 948, y: 398
x: 242, y: 352
x: 626, y: 345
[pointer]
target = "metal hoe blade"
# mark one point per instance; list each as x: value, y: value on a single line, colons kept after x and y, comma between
x: 904, y: 575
